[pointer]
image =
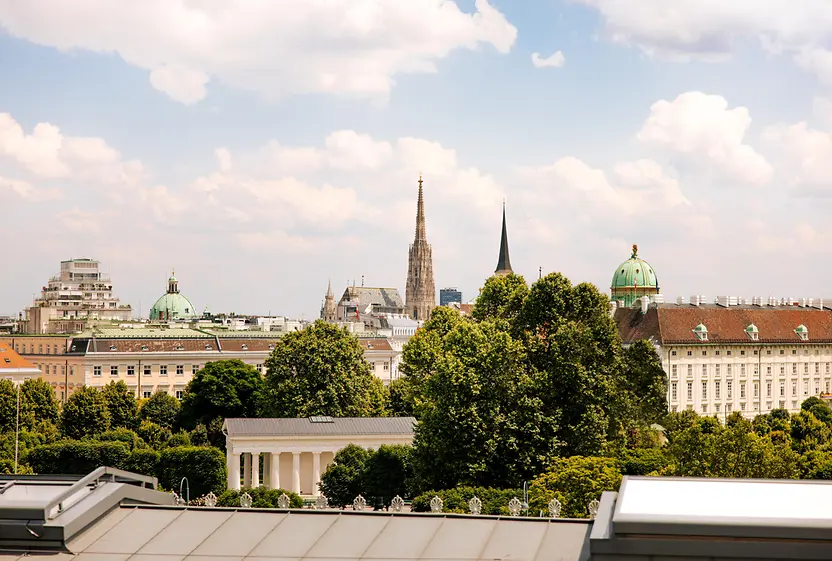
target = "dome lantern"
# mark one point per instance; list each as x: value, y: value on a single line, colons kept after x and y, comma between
x: 172, y: 305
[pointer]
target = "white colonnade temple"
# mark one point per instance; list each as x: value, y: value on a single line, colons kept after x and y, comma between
x: 295, y: 452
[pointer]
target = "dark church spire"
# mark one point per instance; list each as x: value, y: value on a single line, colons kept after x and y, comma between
x: 504, y: 262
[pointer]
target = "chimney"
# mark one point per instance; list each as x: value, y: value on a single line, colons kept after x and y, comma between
x: 694, y: 300
x: 722, y: 301
x: 658, y: 299
x: 680, y: 301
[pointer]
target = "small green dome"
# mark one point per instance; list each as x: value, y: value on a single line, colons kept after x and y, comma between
x: 700, y: 328
x: 752, y: 328
x: 801, y: 329
x: 172, y: 305
x: 635, y: 272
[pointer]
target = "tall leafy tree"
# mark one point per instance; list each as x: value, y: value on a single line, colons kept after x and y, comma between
x: 645, y: 382
x: 343, y: 479
x: 501, y: 297
x: 40, y: 399
x: 387, y: 472
x: 122, y: 405
x: 85, y: 414
x: 574, y: 482
x: 160, y: 408
x: 222, y: 389
x: 321, y: 370
x: 9, y: 408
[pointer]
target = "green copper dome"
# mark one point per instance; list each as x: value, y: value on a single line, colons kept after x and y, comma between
x: 632, y: 279
x: 172, y: 305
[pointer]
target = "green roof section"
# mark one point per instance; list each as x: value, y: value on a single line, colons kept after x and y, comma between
x: 632, y: 279
x: 172, y: 305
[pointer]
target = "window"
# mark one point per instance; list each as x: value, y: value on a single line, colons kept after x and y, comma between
x: 817, y: 368
x: 742, y: 406
x: 717, y: 390
x: 386, y: 366
x: 690, y: 391
x: 782, y: 352
x: 827, y: 386
x: 704, y: 407
x: 794, y: 388
x: 728, y: 353
x: 817, y: 386
x: 756, y: 353
x: 729, y: 369
x: 716, y: 407
x: 163, y: 370
x: 742, y: 353
x: 180, y: 369
x: 690, y: 353
x: 690, y: 370
x: 179, y: 394
x: 705, y: 353
x: 673, y: 353
x: 674, y: 370
x: 756, y: 389
x: 96, y: 371
x: 40, y: 349
x: 704, y: 370
x: 704, y: 391
x: 194, y: 369
x: 716, y: 369
x: 794, y: 351
x: 742, y: 389
x: 805, y: 367
x: 768, y: 389
x: 147, y: 371
x: 782, y: 370
x: 827, y: 368
x: 794, y: 369
x: 729, y: 388
x: 114, y: 371
x: 742, y: 370
x: 782, y: 389
x: 805, y: 387
x: 673, y: 390
x: 131, y: 370
x: 260, y: 368
x: 146, y: 394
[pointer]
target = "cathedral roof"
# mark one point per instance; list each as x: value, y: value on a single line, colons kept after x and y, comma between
x: 365, y: 296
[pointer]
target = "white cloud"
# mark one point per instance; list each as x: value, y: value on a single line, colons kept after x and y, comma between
x: 700, y: 126
x: 26, y: 191
x: 806, y: 156
x: 555, y: 60
x: 713, y: 29
x: 46, y: 153
x: 274, y: 48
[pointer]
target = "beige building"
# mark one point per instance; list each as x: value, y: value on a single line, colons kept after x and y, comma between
x: 158, y: 358
x: 297, y: 451
x: 733, y: 356
x: 80, y: 293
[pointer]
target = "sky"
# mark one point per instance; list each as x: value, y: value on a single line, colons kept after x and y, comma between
x: 263, y: 148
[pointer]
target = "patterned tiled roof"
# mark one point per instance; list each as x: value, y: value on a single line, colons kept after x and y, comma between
x: 326, y: 426
x: 674, y: 324
x: 375, y: 344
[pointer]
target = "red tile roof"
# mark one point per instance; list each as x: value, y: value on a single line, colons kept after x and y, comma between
x: 375, y: 344
x: 10, y: 360
x: 673, y: 324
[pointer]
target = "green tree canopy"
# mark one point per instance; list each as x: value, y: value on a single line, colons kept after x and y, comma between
x: 122, y: 405
x: 85, y: 413
x: 222, y: 389
x: 501, y: 297
x: 342, y: 481
x: 387, y: 472
x: 39, y: 397
x: 575, y: 482
x: 9, y: 408
x: 320, y: 370
x: 160, y: 408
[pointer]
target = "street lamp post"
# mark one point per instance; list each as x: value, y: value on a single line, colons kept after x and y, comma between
x: 17, y: 429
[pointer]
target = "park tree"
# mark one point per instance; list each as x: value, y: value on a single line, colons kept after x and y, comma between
x: 9, y: 408
x: 222, y: 389
x: 818, y: 408
x: 320, y: 370
x: 160, y: 408
x: 343, y: 479
x: 39, y: 398
x: 122, y: 405
x: 480, y: 418
x: 387, y: 472
x: 501, y: 298
x: 575, y: 482
x: 644, y: 382
x: 85, y: 414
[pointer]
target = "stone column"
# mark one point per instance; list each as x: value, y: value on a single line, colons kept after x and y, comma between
x: 296, y: 472
x: 255, y: 469
x: 233, y: 460
x: 267, y: 471
x: 316, y: 473
x: 274, y: 464
x: 246, y: 469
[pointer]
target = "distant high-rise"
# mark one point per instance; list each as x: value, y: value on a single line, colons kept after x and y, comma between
x: 503, y: 261
x: 448, y: 295
x: 420, y: 292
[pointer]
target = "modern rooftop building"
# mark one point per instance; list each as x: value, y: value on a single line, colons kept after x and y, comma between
x: 79, y: 293
x: 118, y: 516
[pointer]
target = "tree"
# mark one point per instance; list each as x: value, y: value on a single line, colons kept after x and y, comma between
x: 502, y: 297
x: 9, y: 408
x: 78, y: 457
x: 160, y: 408
x: 342, y: 480
x: 387, y: 472
x: 480, y: 418
x: 204, y: 467
x: 39, y: 397
x: 574, y: 482
x: 121, y: 403
x: 645, y: 381
x: 85, y: 414
x: 818, y: 408
x: 321, y: 370
x: 224, y: 389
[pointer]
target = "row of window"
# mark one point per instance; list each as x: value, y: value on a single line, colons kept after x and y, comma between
x: 756, y: 352
x: 717, y: 407
x: 147, y: 370
x: 50, y: 349
x: 729, y: 387
x: 729, y: 368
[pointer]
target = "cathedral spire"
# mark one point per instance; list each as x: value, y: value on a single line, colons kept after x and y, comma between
x: 329, y: 310
x: 503, y: 261
x: 421, y: 233
x: 420, y: 292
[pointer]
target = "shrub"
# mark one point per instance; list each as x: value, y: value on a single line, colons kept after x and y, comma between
x: 180, y: 438
x: 494, y: 501
x: 127, y: 436
x: 74, y: 457
x: 261, y: 497
x: 204, y: 467
x: 144, y: 461
x: 575, y: 482
x: 155, y: 436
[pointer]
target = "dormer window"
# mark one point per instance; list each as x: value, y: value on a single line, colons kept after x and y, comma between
x: 207, y: 347
x: 180, y: 348
x: 112, y: 347
x: 271, y: 347
x: 245, y: 347
x: 752, y: 332
x: 701, y: 332
x: 802, y: 332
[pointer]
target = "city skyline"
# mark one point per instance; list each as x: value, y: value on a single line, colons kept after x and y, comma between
x: 263, y: 158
